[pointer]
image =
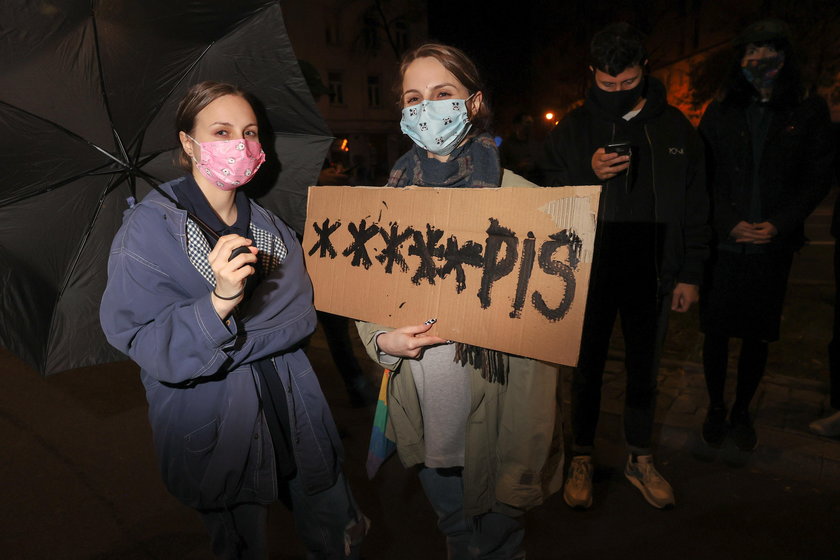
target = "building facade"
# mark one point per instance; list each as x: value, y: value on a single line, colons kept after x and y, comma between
x: 349, y: 52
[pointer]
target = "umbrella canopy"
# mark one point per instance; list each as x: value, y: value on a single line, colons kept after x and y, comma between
x: 88, y: 93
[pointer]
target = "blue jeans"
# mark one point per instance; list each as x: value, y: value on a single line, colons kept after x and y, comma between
x: 491, y: 536
x: 321, y: 521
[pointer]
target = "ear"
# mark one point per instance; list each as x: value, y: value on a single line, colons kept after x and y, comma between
x: 474, y: 104
x: 186, y: 144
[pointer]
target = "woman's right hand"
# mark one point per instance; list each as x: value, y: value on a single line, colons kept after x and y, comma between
x: 230, y: 274
x: 408, y: 342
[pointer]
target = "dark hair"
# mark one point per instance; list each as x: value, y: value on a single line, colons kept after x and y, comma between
x: 197, y: 98
x: 616, y: 48
x: 460, y: 65
x: 787, y: 89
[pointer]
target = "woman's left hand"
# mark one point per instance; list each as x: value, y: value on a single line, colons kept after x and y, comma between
x: 408, y: 342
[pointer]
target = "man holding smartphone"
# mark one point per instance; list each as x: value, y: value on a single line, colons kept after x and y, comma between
x: 652, y: 241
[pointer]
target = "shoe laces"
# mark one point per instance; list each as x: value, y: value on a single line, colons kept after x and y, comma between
x: 580, y: 470
x: 649, y: 473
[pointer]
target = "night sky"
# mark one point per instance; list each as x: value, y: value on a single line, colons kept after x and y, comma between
x: 498, y: 41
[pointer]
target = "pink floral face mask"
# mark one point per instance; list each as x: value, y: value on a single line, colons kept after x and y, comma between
x: 229, y: 164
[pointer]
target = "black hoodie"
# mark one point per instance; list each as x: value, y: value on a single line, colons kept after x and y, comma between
x: 664, y: 189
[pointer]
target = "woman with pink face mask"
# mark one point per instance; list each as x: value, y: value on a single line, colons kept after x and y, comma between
x: 207, y: 292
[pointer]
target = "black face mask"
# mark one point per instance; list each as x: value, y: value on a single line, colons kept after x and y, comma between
x: 618, y: 103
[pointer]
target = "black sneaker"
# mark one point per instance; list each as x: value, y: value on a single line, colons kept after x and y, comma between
x: 742, y: 431
x: 715, y: 427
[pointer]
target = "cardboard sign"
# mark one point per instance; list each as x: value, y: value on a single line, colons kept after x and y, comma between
x: 505, y: 268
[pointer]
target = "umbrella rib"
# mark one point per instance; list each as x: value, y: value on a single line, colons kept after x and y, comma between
x: 113, y: 184
x: 138, y: 142
x: 65, y: 131
x: 102, y: 89
x: 95, y: 171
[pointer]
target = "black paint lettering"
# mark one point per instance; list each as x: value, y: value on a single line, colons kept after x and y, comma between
x: 558, y: 268
x: 456, y: 257
x: 494, y: 268
x: 391, y: 252
x: 529, y: 251
x: 427, y: 249
x: 324, y: 242
x: 361, y: 235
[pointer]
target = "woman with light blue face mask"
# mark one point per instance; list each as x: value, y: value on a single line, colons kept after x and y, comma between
x: 445, y: 115
x: 479, y: 425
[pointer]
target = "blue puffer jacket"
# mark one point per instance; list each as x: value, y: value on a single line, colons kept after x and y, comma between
x: 211, y: 437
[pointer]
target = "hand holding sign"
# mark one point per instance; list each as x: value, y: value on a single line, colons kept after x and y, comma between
x: 408, y: 342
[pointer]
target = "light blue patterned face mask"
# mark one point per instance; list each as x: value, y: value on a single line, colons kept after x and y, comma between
x: 437, y: 126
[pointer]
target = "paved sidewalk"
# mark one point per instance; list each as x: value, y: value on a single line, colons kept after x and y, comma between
x: 783, y: 408
x: 784, y: 405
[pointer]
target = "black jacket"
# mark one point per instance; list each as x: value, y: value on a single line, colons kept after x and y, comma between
x: 669, y: 163
x: 794, y: 174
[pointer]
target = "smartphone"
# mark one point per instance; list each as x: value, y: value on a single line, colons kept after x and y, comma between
x: 620, y: 148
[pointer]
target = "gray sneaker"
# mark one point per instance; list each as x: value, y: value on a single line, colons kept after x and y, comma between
x: 577, y: 492
x: 644, y: 476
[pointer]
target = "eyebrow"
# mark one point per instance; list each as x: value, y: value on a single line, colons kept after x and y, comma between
x: 229, y: 124
x: 433, y: 88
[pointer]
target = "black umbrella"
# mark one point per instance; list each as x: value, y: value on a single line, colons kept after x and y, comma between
x: 88, y: 92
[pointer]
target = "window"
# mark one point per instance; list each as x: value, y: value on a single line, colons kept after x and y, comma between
x: 331, y: 31
x: 373, y: 92
x: 401, y: 37
x: 336, y: 85
x: 370, y: 33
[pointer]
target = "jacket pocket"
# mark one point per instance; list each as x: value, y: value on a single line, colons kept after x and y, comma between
x: 198, y: 449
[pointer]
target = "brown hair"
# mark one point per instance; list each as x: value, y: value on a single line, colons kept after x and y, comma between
x: 460, y: 65
x: 197, y: 98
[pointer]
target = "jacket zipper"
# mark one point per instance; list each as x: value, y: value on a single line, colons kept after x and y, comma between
x: 655, y: 211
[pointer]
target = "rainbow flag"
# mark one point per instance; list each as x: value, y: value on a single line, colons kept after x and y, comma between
x: 380, y: 447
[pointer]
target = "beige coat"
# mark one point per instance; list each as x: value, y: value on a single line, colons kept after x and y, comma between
x: 514, y: 440
x: 514, y: 433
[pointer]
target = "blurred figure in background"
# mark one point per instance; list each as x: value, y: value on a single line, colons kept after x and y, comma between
x: 519, y: 150
x: 769, y: 159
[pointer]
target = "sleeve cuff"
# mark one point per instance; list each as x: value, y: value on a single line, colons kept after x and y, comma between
x: 384, y: 359
x: 219, y: 333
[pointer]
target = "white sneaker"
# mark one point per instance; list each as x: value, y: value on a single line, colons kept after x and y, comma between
x: 828, y: 427
x: 644, y: 476
x: 577, y: 492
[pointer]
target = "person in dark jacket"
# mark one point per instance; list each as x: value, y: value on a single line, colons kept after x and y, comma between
x: 769, y: 154
x: 652, y: 241
x: 207, y: 292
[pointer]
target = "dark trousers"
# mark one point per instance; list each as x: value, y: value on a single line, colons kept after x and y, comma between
x: 323, y: 521
x: 633, y: 296
x: 834, y: 345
